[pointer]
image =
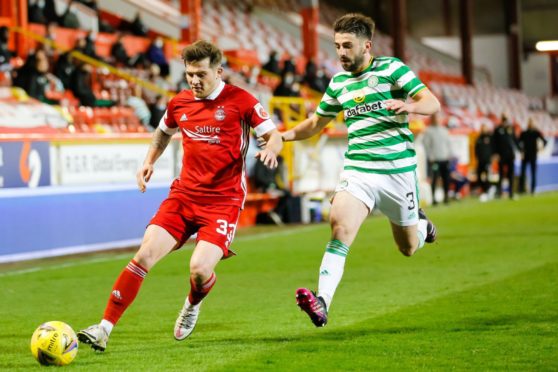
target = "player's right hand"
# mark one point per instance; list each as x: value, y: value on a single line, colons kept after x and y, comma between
x: 143, y: 176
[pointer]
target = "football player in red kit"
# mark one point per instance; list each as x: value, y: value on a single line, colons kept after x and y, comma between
x: 214, y: 119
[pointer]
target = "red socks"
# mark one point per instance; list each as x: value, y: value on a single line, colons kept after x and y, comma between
x: 124, y: 291
x: 198, y: 293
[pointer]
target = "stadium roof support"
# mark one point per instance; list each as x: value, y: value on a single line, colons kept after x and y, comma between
x: 310, y: 19
x: 399, y: 27
x: 513, y: 29
x: 16, y: 12
x: 466, y: 34
x: 190, y: 20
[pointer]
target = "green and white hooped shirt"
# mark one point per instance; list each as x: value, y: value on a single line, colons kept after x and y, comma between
x: 379, y: 140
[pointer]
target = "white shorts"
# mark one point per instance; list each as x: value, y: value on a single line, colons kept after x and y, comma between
x: 395, y: 195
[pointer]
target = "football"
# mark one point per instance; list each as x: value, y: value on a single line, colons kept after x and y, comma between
x: 54, y: 343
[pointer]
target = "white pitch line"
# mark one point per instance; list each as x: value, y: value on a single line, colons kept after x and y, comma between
x: 116, y: 257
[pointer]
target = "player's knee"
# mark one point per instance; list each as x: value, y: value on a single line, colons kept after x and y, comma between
x: 145, y: 258
x: 407, y: 249
x: 200, y: 271
x: 340, y: 229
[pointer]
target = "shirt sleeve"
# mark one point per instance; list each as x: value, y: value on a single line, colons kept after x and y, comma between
x: 329, y: 105
x: 406, y: 79
x: 167, y: 123
x: 257, y: 117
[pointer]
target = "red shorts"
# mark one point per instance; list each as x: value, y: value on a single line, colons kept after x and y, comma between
x: 182, y: 218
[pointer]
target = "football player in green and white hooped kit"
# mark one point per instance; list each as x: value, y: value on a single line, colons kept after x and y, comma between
x: 380, y: 163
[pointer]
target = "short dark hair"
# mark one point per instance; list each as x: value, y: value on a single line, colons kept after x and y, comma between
x: 355, y: 23
x: 201, y: 50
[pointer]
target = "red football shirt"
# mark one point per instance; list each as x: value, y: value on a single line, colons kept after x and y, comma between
x: 215, y: 134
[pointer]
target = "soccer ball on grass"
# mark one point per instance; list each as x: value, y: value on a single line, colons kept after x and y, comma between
x: 54, y: 343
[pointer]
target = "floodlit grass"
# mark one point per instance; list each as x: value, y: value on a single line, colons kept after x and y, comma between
x: 484, y: 297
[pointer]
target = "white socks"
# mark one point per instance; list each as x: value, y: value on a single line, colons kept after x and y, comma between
x: 331, y: 270
x: 107, y: 326
x: 421, y: 232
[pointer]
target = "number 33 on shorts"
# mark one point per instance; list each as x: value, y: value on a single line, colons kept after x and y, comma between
x: 227, y: 229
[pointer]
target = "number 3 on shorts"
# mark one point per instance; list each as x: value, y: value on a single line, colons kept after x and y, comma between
x: 411, y: 199
x: 226, y: 229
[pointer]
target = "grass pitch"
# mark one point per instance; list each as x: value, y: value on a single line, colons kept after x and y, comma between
x: 484, y: 297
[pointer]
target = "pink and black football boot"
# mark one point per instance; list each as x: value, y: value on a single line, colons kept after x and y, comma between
x: 314, y: 306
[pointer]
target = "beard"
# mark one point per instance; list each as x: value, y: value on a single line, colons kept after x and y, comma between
x: 353, y: 65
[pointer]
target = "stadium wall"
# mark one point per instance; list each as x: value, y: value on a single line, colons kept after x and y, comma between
x: 42, y: 217
x: 54, y: 221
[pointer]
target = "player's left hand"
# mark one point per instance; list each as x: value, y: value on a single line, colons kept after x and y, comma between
x: 398, y: 106
x: 268, y: 157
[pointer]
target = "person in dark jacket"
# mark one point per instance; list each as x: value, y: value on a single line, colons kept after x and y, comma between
x: 156, y: 54
x: 529, y: 146
x: 483, y: 153
x: 504, y: 145
x: 80, y: 84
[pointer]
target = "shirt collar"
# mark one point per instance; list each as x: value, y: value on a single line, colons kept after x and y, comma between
x: 213, y: 95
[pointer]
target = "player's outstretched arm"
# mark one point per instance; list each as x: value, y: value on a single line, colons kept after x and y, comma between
x: 424, y: 103
x: 159, y: 143
x: 273, y: 146
x: 306, y: 128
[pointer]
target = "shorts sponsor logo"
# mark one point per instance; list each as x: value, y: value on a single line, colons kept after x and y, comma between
x: 220, y: 113
x: 364, y: 109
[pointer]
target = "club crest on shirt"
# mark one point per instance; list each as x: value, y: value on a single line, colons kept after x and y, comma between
x: 220, y: 113
x: 261, y: 111
x: 373, y: 81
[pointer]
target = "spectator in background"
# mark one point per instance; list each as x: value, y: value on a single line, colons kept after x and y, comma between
x: 155, y: 54
x: 86, y: 45
x: 288, y: 66
x: 155, y: 78
x: 64, y: 68
x: 118, y: 53
x: 49, y: 11
x: 69, y: 19
x: 504, y: 145
x: 483, y: 153
x: 529, y: 146
x: 5, y: 52
x: 137, y: 27
x: 157, y: 110
x: 140, y: 107
x: 437, y: 143
x: 80, y: 84
x: 34, y: 77
x: 35, y: 13
x: 287, y: 86
x: 272, y: 64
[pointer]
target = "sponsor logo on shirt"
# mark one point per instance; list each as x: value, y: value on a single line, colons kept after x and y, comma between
x: 358, y: 96
x: 220, y: 113
x: 183, y: 117
x: 364, y: 108
x: 207, y: 133
x: 261, y: 111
